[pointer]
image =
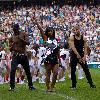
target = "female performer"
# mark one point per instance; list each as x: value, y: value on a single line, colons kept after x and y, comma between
x: 52, y: 58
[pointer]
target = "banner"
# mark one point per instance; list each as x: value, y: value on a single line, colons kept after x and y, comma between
x: 93, y: 64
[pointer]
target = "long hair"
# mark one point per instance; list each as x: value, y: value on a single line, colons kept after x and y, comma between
x: 29, y: 54
x: 16, y: 28
x: 48, y: 29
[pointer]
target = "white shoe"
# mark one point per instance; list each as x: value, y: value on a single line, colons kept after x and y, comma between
x: 62, y: 79
x: 22, y: 82
x: 34, y: 78
x: 41, y: 81
x: 18, y: 83
x: 57, y: 81
x: 80, y: 78
x: 69, y: 76
x: 1, y: 82
x: 80, y: 74
x: 50, y: 79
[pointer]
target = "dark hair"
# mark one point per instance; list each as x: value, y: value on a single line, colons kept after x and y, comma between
x: 66, y: 45
x: 15, y: 27
x: 29, y: 54
x: 48, y: 29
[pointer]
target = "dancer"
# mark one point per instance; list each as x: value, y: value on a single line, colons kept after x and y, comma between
x: 78, y: 46
x: 17, y: 44
x: 52, y: 59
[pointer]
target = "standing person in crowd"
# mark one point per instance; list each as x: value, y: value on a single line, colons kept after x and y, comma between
x: 17, y: 45
x: 51, y: 62
x: 64, y: 56
x: 41, y: 55
x: 78, y: 46
x: 2, y: 63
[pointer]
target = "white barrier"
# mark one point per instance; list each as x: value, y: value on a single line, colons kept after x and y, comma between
x: 93, y: 64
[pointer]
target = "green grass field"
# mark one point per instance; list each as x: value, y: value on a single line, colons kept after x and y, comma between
x: 83, y: 92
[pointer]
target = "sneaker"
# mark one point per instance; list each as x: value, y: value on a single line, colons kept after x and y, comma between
x: 32, y: 88
x: 57, y: 81
x: 41, y: 80
x: 69, y: 77
x: 80, y: 78
x: 22, y: 82
x: 11, y: 89
x: 1, y: 82
x: 62, y: 79
x: 92, y: 86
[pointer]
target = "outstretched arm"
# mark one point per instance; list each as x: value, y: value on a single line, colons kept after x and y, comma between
x: 40, y: 28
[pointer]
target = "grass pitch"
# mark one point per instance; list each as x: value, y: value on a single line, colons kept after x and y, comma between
x: 83, y: 92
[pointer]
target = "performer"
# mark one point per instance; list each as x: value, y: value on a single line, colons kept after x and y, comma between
x: 78, y: 46
x: 17, y: 44
x: 51, y: 62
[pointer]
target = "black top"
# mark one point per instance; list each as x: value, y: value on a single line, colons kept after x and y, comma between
x: 79, y: 45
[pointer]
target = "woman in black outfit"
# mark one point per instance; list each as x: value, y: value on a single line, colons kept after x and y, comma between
x: 52, y: 60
